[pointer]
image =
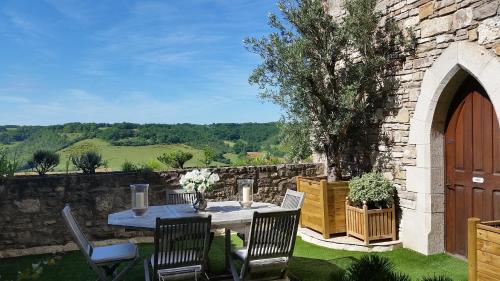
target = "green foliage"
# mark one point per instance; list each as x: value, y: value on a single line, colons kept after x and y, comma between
x: 373, y: 189
x: 44, y: 161
x: 208, y: 155
x: 88, y: 162
x: 371, y: 268
x: 128, y: 166
x: 376, y: 268
x: 34, y: 271
x: 152, y: 165
x: 330, y: 77
x: 175, y: 159
x: 264, y: 159
x: 296, y: 138
x: 8, y: 166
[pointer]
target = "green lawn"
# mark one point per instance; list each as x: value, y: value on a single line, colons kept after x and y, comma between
x: 310, y: 263
x: 117, y: 155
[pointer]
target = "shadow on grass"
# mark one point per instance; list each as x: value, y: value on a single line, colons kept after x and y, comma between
x: 309, y: 269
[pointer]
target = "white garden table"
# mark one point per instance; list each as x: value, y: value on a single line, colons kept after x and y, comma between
x: 226, y: 215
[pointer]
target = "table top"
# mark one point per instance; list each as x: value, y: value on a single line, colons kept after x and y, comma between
x: 225, y: 214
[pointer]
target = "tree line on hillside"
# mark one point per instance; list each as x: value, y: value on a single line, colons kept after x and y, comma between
x: 219, y: 139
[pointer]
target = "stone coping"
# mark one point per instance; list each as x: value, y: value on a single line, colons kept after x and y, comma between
x: 346, y: 243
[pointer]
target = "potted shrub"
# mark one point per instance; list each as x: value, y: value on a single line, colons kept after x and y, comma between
x: 370, y: 212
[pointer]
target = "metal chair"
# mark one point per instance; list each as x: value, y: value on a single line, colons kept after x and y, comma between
x: 181, y: 249
x: 270, y: 246
x: 181, y: 198
x: 103, y: 260
x: 293, y: 199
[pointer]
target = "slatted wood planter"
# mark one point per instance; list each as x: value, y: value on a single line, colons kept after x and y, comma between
x: 483, y: 250
x: 369, y: 225
x: 323, y: 209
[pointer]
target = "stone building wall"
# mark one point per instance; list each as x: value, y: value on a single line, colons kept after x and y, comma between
x: 437, y: 25
x: 30, y: 206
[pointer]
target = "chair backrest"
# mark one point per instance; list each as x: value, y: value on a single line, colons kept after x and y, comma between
x: 272, y: 234
x: 181, y: 198
x: 181, y: 242
x: 293, y: 199
x: 81, y: 240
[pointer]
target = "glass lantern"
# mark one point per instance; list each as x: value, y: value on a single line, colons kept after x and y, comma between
x: 140, y: 202
x: 245, y: 192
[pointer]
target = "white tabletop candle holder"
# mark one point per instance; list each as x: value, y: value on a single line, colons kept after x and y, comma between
x: 245, y: 192
x: 140, y: 202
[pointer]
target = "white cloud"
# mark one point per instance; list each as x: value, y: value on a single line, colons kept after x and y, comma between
x: 24, y: 26
x: 79, y: 105
x: 72, y: 9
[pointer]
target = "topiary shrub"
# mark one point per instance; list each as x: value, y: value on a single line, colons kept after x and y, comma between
x: 128, y: 166
x: 373, y: 189
x: 175, y: 159
x: 88, y: 162
x: 44, y: 161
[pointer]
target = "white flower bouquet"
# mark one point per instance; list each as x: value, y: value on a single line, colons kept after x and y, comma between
x: 198, y: 180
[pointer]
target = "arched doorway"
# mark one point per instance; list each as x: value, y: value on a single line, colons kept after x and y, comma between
x: 423, y: 223
x: 472, y: 146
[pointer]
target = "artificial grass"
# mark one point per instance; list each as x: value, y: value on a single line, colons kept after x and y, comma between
x: 310, y: 263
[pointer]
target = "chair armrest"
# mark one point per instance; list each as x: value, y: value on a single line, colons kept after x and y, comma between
x: 147, y: 275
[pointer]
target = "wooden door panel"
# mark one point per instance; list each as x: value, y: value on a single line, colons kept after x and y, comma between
x: 496, y: 148
x: 460, y: 224
x: 477, y: 133
x: 472, y: 164
x: 496, y: 205
x: 477, y: 202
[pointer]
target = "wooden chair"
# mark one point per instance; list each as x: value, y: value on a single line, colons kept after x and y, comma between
x: 270, y: 246
x: 292, y: 200
x: 181, y: 198
x: 103, y: 260
x: 181, y: 249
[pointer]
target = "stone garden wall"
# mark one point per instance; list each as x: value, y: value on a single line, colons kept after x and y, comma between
x: 30, y: 206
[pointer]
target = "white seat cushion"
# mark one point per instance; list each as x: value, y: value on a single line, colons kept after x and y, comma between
x: 242, y: 253
x: 117, y: 252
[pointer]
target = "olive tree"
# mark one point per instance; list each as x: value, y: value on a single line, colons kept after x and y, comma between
x: 331, y: 77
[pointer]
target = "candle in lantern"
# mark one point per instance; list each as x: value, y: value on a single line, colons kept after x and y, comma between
x: 139, y: 200
x: 246, y: 194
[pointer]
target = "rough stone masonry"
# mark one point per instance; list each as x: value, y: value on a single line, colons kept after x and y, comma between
x: 472, y: 29
x: 30, y: 206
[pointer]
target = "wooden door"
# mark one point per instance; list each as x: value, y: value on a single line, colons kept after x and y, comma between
x: 472, y: 164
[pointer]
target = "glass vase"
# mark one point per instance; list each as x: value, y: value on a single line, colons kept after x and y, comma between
x: 245, y: 192
x: 140, y: 202
x: 200, y: 203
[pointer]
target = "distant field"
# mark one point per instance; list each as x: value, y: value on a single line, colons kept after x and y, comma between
x: 117, y: 155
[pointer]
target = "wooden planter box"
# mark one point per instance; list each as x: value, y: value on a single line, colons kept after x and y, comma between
x: 369, y: 225
x: 483, y: 250
x: 323, y: 208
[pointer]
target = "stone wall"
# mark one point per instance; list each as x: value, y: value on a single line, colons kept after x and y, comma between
x: 30, y: 206
x: 470, y: 28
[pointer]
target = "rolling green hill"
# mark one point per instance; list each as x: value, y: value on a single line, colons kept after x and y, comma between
x: 117, y: 155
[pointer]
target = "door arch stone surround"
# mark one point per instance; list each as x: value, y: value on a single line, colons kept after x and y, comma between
x: 422, y: 228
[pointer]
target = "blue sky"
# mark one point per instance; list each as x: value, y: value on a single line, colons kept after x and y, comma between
x: 169, y: 61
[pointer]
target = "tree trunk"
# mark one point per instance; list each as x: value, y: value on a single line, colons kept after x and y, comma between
x: 334, y: 170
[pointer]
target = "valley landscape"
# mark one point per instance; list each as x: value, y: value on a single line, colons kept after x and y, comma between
x: 141, y: 145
